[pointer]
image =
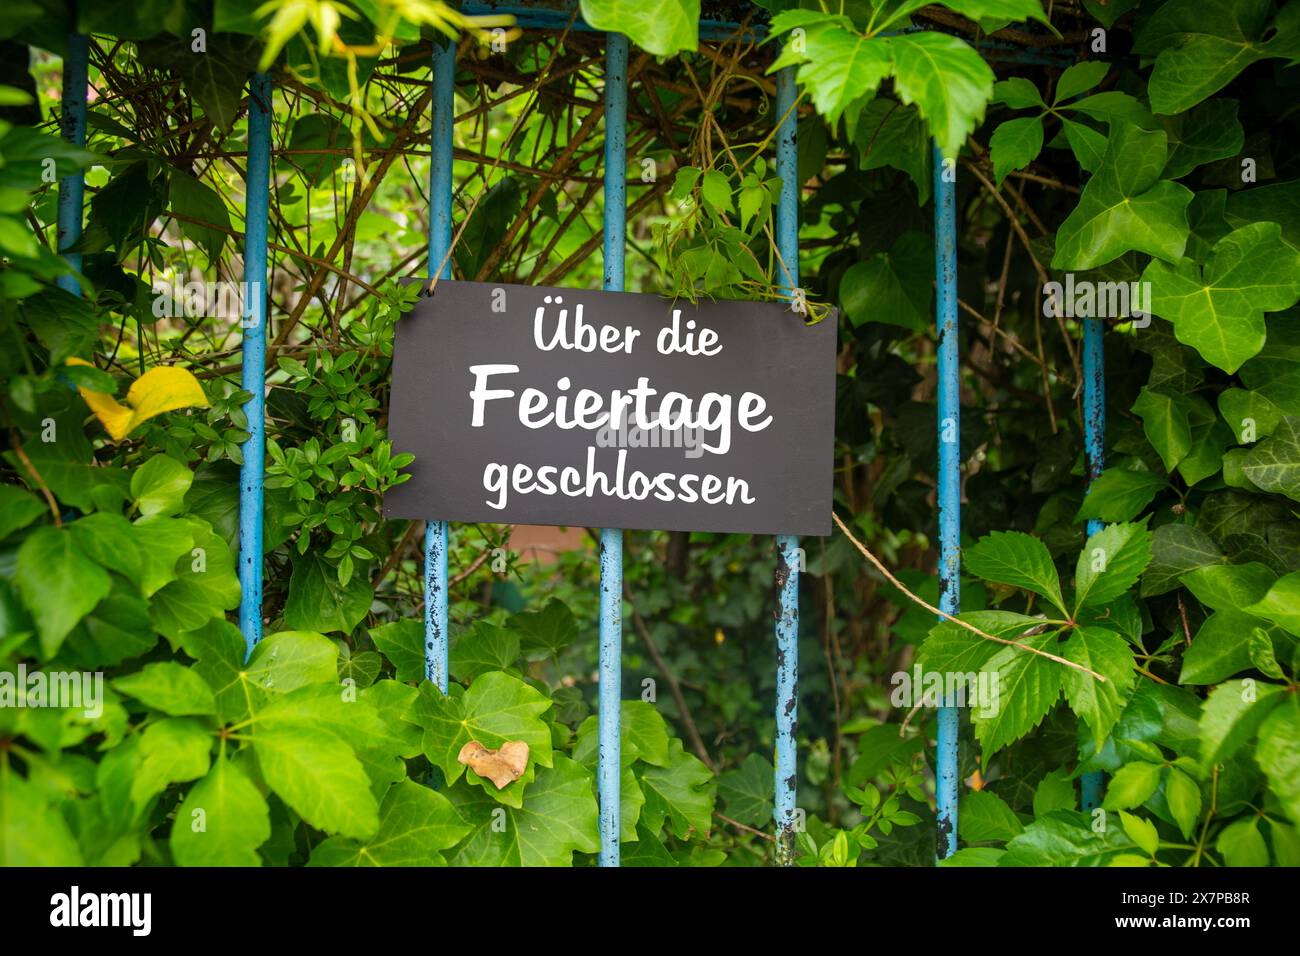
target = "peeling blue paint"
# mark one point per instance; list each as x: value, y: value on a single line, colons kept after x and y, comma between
x: 609, y: 767
x: 253, y: 358
x: 72, y: 124
x: 949, y: 481
x: 1094, y: 449
x: 787, y: 546
x: 440, y: 168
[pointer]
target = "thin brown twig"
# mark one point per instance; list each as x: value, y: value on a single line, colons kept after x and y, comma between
x: 742, y: 826
x: 674, y: 688
x: 879, y: 566
x: 36, y: 477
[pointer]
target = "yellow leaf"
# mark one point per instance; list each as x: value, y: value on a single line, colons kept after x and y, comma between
x: 158, y: 390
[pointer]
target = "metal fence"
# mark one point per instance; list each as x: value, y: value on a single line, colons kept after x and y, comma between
x: 948, y: 430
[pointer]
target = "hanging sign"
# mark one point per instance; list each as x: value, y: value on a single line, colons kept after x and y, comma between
x: 532, y: 405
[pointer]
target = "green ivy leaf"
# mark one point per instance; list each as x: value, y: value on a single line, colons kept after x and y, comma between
x: 1279, y: 604
x: 1030, y: 685
x: 544, y: 633
x: 169, y: 687
x: 660, y: 28
x: 1232, y: 714
x: 838, y: 67
x: 288, y: 660
x: 984, y: 817
x: 1208, y: 132
x: 1274, y: 464
x: 1111, y: 562
x: 680, y: 794
x: 111, y: 541
x: 1219, y: 649
x: 402, y: 642
x: 747, y: 790
x: 1000, y: 10
x: 1065, y: 838
x: 1202, y: 46
x: 952, y: 649
x: 1166, y: 424
x: 1080, y: 78
x: 1054, y: 792
x: 1018, y: 93
x: 117, y: 629
x: 199, y: 203
x: 558, y: 816
x: 1126, y: 205
x: 1277, y: 202
x: 1250, y: 415
x: 234, y: 820
x: 214, y: 78
x: 32, y: 832
x: 644, y: 736
x: 974, y: 856
x: 159, y: 485
x: 1278, y: 753
x: 1175, y: 550
x: 64, y: 323
x: 484, y: 647
x: 1184, y: 798
x: 1228, y: 587
x: 1219, y: 310
x: 1132, y: 785
x: 317, y: 602
x: 206, y: 585
x: 893, y: 287
x: 157, y: 545
x: 890, y: 134
x: 218, y: 649
x: 58, y: 583
x: 1018, y: 559
x: 1014, y: 145
x: 416, y: 825
x: 1098, y: 704
x: 173, y: 750
x: 318, y: 775
x: 1141, y: 832
x: 716, y: 191
x: 1241, y: 843
x: 496, y: 708
x: 947, y: 81
x: 18, y: 509
x: 1119, y: 494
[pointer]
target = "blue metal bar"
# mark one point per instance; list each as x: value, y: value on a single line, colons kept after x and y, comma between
x: 440, y: 169
x: 949, y: 481
x: 1094, y: 434
x: 787, y: 546
x: 257, y: 191
x: 72, y: 123
x: 609, y: 759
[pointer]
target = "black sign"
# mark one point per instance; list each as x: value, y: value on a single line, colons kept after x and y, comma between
x: 616, y: 410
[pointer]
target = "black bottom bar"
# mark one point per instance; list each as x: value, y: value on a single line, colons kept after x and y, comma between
x: 388, y: 907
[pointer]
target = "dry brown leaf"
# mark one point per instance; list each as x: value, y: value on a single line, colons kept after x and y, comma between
x: 503, y: 766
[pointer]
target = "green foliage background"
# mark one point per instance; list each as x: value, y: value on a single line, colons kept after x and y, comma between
x: 1112, y: 142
